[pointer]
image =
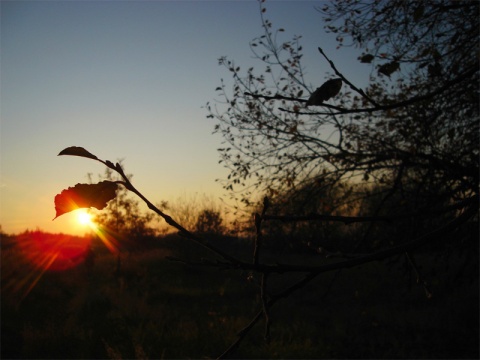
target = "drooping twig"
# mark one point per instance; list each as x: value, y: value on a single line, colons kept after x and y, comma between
x: 283, y: 294
x: 265, y: 306
x: 240, y: 336
x: 420, y: 279
x: 258, y: 228
x: 168, y: 218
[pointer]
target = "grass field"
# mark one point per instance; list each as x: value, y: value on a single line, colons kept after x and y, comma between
x: 152, y: 308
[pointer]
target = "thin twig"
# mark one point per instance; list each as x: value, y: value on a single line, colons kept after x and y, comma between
x: 377, y: 107
x: 168, y: 218
x: 346, y: 81
x: 242, y: 333
x: 420, y: 279
x: 265, y: 306
x: 258, y: 228
x: 275, y: 97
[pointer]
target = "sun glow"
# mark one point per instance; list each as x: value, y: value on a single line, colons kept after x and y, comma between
x: 84, y: 218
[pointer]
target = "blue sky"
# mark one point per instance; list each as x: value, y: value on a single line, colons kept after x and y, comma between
x: 126, y: 80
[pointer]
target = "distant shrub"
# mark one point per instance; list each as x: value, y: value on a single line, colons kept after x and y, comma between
x: 209, y: 221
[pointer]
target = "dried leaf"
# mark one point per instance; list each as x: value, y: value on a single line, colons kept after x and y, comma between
x: 367, y: 58
x: 85, y: 196
x: 328, y: 90
x: 389, y: 68
x: 77, y: 151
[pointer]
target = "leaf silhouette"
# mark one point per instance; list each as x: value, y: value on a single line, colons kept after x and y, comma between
x: 77, y: 151
x: 328, y: 90
x: 367, y: 58
x: 85, y: 196
x: 389, y: 68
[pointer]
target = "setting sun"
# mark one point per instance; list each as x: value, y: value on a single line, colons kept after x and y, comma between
x: 84, y: 218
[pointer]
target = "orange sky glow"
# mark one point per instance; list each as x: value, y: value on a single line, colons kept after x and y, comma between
x: 127, y: 80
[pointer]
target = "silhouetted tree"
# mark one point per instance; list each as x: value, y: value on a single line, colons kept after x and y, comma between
x: 414, y: 129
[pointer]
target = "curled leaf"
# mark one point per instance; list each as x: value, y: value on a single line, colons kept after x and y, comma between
x: 85, y: 196
x: 77, y: 151
x: 367, y: 58
x: 389, y: 68
x: 328, y: 90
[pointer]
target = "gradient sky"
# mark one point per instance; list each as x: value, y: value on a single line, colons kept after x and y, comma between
x: 127, y: 80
